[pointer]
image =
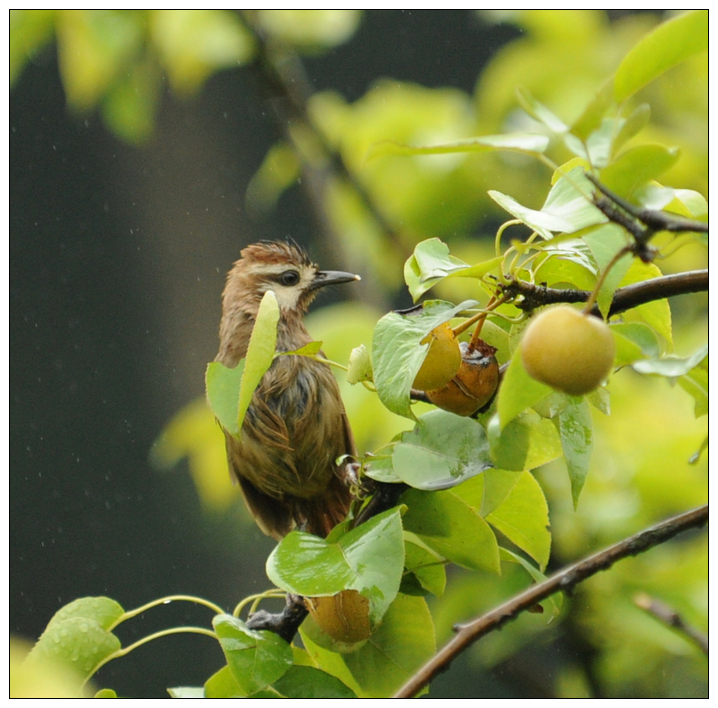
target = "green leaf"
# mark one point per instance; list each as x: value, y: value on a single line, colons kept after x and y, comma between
x: 431, y: 262
x: 657, y: 313
x: 94, y: 48
x: 488, y: 492
x: 599, y: 143
x: 568, y: 207
x: 570, y: 199
x: 310, y: 682
x: 186, y: 692
x: 433, y: 259
x: 669, y: 44
x: 222, y: 684
x: 77, y: 641
x: 594, y: 111
x: 684, y: 202
x: 637, y: 166
x: 131, y: 103
x: 478, y: 270
x: 309, y: 31
x: 30, y: 31
x: 641, y: 335
x: 632, y: 125
x: 403, y: 643
x: 539, y: 221
x: 193, y: 44
x: 452, y: 528
x: 360, y: 368
x: 627, y: 351
x: 369, y: 559
x: 568, y: 266
x: 551, y: 405
x: 78, y: 635
x: 605, y: 242
x: 260, y: 352
x: 222, y: 385
x: 279, y: 170
x: 529, y: 143
x: 600, y: 399
x: 426, y: 566
x: 634, y: 341
x: 576, y: 430
x: 695, y: 382
x: 398, y: 354
x: 671, y: 366
x: 539, y: 112
x: 102, y: 610
x: 310, y: 350
x: 523, y: 519
x: 325, y: 658
x: 577, y: 147
x: 497, y: 487
x: 528, y: 441
x: 518, y: 391
x: 554, y: 601
x: 106, y: 693
x: 256, y: 659
x: 442, y: 451
x: 381, y: 467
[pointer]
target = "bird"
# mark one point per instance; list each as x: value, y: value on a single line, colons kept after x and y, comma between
x: 295, y: 429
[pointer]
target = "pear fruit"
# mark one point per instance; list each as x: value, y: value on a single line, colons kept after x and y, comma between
x: 344, y: 616
x: 442, y: 361
x: 474, y: 384
x: 568, y: 350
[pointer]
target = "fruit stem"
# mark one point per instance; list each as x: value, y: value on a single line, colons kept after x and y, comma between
x: 500, y: 233
x: 479, y: 318
x: 594, y: 295
x: 256, y: 599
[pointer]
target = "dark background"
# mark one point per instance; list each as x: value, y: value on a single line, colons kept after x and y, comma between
x: 117, y: 262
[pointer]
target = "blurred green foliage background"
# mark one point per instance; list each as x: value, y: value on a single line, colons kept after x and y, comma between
x: 148, y: 147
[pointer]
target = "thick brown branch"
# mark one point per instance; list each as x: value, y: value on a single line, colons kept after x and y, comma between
x: 565, y: 580
x: 533, y: 296
x: 631, y: 296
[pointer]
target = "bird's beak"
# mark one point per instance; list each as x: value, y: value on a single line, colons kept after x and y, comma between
x: 332, y: 277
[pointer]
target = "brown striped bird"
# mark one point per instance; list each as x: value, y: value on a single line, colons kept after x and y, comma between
x: 296, y: 428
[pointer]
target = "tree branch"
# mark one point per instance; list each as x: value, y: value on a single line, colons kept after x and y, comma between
x: 565, y: 580
x: 625, y: 298
x: 281, y: 73
x: 668, y: 616
x: 285, y: 623
x: 652, y: 220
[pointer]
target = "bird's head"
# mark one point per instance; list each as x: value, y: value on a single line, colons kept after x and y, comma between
x: 282, y: 267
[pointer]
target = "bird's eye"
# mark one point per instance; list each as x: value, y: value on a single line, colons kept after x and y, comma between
x: 289, y: 277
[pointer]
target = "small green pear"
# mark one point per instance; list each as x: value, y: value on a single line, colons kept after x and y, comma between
x: 568, y: 350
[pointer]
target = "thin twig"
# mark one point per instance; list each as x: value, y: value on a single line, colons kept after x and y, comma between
x: 565, y: 580
x: 668, y: 616
x: 654, y: 219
